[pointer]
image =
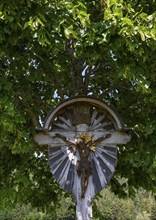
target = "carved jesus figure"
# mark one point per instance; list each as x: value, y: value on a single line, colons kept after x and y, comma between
x: 84, y: 168
x: 84, y: 144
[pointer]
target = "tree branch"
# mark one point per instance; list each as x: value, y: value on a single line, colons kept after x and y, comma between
x: 77, y: 67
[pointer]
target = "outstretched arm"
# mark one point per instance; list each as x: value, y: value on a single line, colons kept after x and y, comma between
x: 65, y: 139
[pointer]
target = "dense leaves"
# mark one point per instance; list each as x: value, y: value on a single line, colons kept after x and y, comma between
x: 109, y: 207
x: 51, y: 50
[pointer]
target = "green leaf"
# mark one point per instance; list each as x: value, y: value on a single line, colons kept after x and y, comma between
x: 20, y: 178
x: 69, y: 32
x: 118, y: 12
x: 110, y: 3
x: 126, y: 21
x: 8, y: 86
x: 144, y: 16
x: 10, y: 18
x: 142, y: 35
x: 108, y: 14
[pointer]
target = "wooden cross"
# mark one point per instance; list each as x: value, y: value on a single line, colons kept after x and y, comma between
x: 82, y: 134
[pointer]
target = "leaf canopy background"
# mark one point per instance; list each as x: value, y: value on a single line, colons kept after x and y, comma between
x: 51, y: 50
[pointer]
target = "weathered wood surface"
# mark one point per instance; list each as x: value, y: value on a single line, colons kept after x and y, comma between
x: 84, y: 205
x: 48, y: 138
x: 83, y: 169
x: 90, y: 101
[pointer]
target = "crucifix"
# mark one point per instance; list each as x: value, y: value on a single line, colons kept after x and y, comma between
x: 82, y: 135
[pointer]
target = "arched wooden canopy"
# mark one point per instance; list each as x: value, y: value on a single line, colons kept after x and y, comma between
x: 90, y: 101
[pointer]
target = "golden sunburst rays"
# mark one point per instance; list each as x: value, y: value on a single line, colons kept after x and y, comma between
x: 88, y: 140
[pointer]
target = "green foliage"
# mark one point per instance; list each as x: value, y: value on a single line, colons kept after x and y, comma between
x: 108, y: 207
x: 112, y: 207
x: 51, y: 50
x: 24, y: 213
